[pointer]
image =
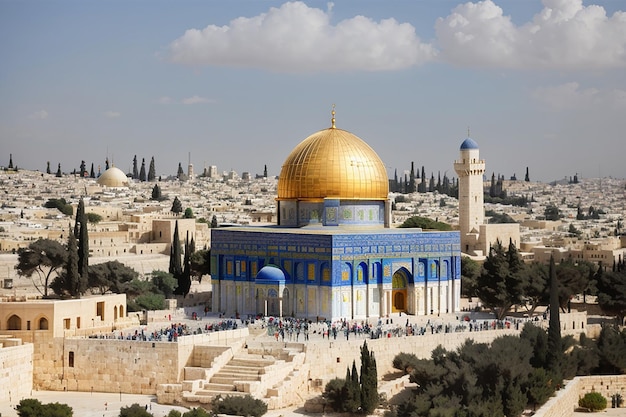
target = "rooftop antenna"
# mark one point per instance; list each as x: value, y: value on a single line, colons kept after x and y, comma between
x: 468, y: 131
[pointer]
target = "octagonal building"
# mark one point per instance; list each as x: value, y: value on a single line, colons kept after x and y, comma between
x: 332, y: 254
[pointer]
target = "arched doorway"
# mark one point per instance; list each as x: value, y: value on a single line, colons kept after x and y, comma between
x: 14, y: 323
x: 43, y: 323
x: 399, y: 291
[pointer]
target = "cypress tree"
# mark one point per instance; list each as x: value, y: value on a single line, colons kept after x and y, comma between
x: 156, y: 192
x: 265, y: 172
x: 412, y: 178
x: 177, y: 206
x: 142, y: 173
x: 369, y: 380
x: 72, y: 276
x: 135, y: 172
x: 106, y: 164
x: 59, y: 173
x: 555, y: 348
x: 152, y: 171
x: 92, y: 174
x: 180, y: 173
x: 48, y: 168
x: 214, y: 222
x: 82, y: 233
x: 175, y: 266
x: 184, y: 282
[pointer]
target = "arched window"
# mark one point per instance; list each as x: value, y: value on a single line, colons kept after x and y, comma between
x: 43, y: 323
x: 14, y: 323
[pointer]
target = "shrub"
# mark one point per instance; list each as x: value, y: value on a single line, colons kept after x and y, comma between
x: 239, y: 406
x: 404, y: 362
x: 134, y: 410
x: 593, y: 401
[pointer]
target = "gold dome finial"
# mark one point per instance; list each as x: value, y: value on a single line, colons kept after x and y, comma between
x: 333, y: 119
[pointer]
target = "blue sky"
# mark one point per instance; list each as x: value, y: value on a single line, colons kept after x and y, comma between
x: 238, y: 84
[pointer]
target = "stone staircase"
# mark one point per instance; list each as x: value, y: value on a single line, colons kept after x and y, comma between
x: 243, y: 374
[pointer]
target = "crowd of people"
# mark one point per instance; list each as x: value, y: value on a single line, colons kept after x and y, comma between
x: 289, y: 329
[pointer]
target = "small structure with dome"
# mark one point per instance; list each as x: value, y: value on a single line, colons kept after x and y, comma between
x: 332, y: 254
x: 113, y: 178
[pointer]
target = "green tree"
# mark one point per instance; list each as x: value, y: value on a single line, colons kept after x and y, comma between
x: 135, y: 171
x: 611, y: 292
x: 94, y: 218
x: 156, y: 192
x: 67, y: 283
x: 552, y: 212
x: 593, y: 401
x: 134, y: 410
x: 425, y: 223
x: 188, y: 213
x: 611, y: 347
x: 369, y: 380
x: 164, y: 283
x: 82, y: 234
x: 148, y: 301
x: 59, y: 174
x: 111, y: 276
x: 176, y: 268
x: 151, y: 171
x: 470, y: 269
x: 61, y: 205
x: 142, y: 172
x: 174, y: 413
x: 184, y: 279
x: 43, y: 258
x: 214, y: 222
x: 177, y: 206
x: 502, y: 280
x: 238, y: 406
x: 554, y: 357
x: 31, y: 407
x: 200, y: 263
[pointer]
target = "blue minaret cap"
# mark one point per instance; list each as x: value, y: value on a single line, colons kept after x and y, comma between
x: 469, y: 143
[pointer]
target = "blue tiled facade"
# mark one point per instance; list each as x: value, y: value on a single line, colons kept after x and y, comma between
x: 343, y: 264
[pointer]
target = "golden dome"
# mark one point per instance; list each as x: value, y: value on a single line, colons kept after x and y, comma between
x: 333, y: 163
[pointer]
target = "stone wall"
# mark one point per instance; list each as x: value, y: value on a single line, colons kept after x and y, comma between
x: 16, y: 369
x: 111, y: 365
x: 330, y: 360
x: 565, y: 401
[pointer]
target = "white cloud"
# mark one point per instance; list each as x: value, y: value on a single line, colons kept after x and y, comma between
x: 197, y: 100
x: 38, y: 115
x: 298, y: 38
x: 112, y: 114
x: 563, y: 35
x: 164, y: 100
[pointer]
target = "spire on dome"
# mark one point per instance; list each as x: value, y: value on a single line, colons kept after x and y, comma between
x: 333, y: 118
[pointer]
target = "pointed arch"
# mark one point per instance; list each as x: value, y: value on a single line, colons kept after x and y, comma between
x: 14, y: 322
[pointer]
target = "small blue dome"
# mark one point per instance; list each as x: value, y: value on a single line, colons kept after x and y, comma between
x: 271, y: 273
x: 469, y: 144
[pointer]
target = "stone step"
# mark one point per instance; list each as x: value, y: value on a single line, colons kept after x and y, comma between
x: 240, y: 370
x: 210, y: 386
x: 251, y: 362
x: 212, y: 393
x: 229, y: 379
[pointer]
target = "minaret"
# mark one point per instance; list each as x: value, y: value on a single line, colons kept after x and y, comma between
x: 190, y: 175
x: 470, y: 169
